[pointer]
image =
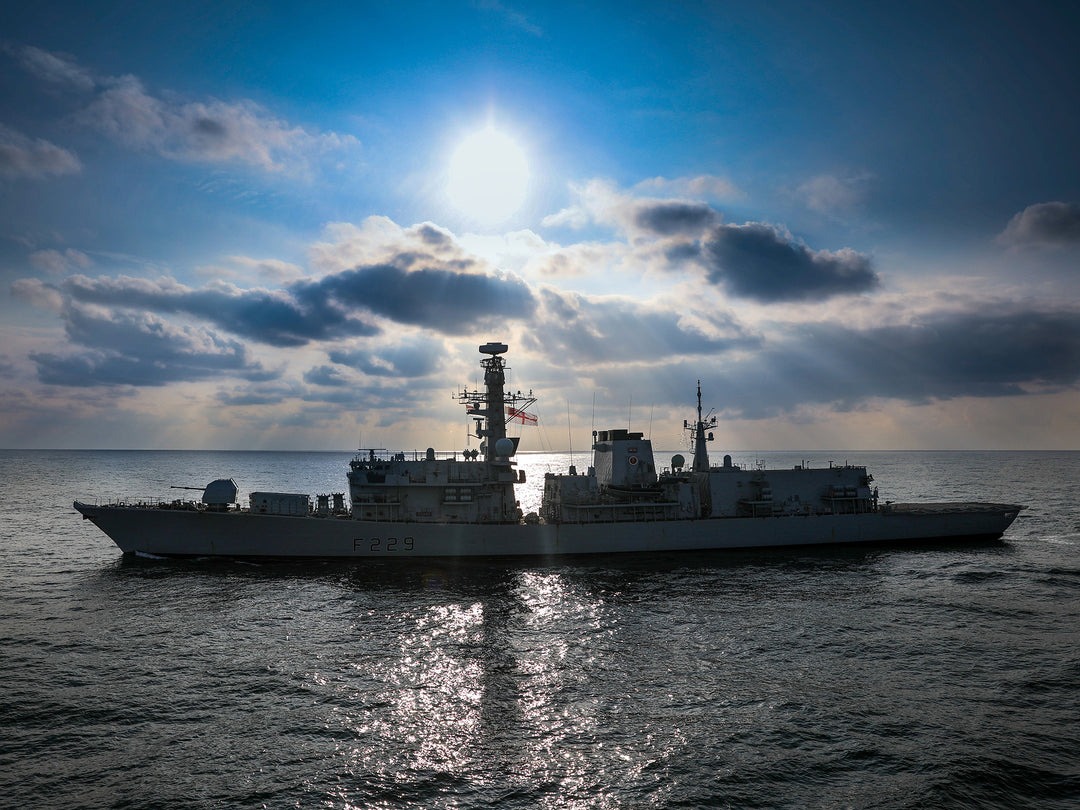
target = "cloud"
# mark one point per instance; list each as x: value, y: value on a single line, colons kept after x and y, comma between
x: 673, y: 217
x: 39, y: 294
x: 1047, y: 224
x: 442, y: 299
x: 413, y: 357
x: 761, y: 262
x: 326, y: 376
x: 21, y: 156
x: 59, y: 69
x: 277, y: 318
x: 273, y: 270
x: 578, y: 260
x: 945, y: 355
x: 601, y: 330
x: 380, y: 240
x: 338, y: 305
x: 600, y: 202
x: 754, y: 260
x: 702, y: 187
x: 140, y: 350
x: 211, y: 131
x: 205, y: 131
x: 513, y: 17
x: 321, y: 401
x: 60, y: 262
x: 830, y: 194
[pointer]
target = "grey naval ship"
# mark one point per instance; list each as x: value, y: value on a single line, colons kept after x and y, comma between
x: 464, y: 504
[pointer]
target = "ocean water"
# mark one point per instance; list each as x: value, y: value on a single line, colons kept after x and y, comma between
x: 884, y: 677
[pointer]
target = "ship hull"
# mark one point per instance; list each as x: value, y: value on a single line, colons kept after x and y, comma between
x: 174, y: 532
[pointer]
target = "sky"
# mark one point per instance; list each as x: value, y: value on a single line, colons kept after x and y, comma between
x: 269, y: 225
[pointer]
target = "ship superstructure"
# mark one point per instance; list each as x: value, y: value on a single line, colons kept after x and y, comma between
x: 476, y: 488
x: 465, y: 504
x: 623, y: 484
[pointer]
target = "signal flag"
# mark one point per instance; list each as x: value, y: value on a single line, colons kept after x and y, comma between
x: 524, y: 417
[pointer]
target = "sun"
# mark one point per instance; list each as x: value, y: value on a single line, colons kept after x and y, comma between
x: 488, y: 176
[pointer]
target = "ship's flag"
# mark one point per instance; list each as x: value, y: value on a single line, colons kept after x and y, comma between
x: 524, y: 417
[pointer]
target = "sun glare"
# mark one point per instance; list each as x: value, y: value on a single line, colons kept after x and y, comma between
x: 488, y: 176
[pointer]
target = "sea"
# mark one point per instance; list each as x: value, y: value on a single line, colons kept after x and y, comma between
x: 898, y: 676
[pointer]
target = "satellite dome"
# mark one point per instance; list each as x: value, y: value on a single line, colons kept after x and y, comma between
x: 504, y: 447
x: 677, y: 461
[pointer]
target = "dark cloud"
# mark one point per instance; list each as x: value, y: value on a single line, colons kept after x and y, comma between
x: 757, y: 261
x: 673, y: 217
x: 444, y: 300
x: 326, y: 309
x: 1051, y: 223
x: 276, y: 318
x: 432, y: 235
x: 130, y: 349
x: 208, y: 126
x: 962, y: 354
x: 947, y: 356
x: 327, y: 376
x: 327, y: 400
x: 411, y: 359
x: 255, y: 397
x: 621, y: 330
x: 682, y: 252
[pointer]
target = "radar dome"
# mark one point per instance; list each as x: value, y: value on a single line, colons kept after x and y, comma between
x: 504, y: 447
x: 677, y: 461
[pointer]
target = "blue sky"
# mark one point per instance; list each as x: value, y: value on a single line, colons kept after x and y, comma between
x: 233, y: 226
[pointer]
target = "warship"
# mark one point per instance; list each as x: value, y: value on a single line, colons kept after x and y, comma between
x: 464, y: 504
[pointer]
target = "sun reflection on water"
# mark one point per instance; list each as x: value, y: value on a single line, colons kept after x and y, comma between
x: 438, y: 686
x: 526, y: 690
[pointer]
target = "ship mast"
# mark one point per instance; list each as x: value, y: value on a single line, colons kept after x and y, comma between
x: 489, y: 406
x: 701, y: 452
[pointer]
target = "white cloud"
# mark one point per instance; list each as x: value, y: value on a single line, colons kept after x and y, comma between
x: 832, y: 194
x: 38, y: 294
x: 213, y: 131
x: 379, y: 239
x: 59, y: 262
x: 54, y: 68
x: 273, y: 270
x: 516, y: 250
x: 207, y: 131
x: 702, y: 187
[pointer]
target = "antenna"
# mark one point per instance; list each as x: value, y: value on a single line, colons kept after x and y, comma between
x: 698, y: 430
x: 630, y: 414
x: 569, y: 433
